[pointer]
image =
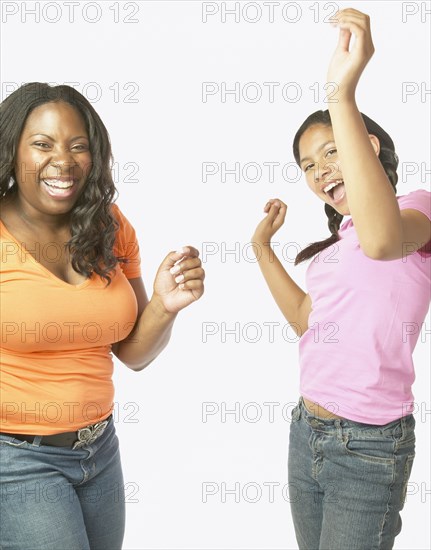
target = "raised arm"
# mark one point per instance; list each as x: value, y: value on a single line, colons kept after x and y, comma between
x: 178, y: 283
x: 381, y: 228
x: 293, y: 302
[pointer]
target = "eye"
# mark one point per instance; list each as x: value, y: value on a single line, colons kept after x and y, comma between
x: 80, y: 147
x: 308, y: 166
x: 331, y: 151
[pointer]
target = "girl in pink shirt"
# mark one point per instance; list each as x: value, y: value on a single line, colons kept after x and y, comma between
x: 352, y: 441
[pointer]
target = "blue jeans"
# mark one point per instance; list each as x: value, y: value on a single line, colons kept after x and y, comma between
x: 348, y: 480
x: 55, y: 498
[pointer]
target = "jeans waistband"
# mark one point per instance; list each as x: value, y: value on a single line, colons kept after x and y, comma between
x: 395, y: 428
x: 74, y: 440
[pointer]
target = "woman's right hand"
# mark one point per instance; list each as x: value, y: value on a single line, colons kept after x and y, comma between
x: 276, y: 213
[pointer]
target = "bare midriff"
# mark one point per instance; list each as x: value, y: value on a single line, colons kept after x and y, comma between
x: 317, y: 410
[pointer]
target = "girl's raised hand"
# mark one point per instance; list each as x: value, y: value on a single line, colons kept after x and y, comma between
x: 276, y: 213
x: 346, y: 66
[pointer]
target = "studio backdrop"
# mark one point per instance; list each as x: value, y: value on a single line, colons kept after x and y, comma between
x: 201, y: 101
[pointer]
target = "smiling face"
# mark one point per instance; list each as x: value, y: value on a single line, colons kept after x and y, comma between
x: 320, y: 164
x: 53, y: 160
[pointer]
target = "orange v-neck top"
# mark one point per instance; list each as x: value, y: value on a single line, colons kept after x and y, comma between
x: 55, y: 337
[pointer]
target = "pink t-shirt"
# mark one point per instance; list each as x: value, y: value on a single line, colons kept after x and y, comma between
x: 367, y: 315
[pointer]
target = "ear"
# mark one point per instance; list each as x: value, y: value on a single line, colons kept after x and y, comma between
x: 375, y: 143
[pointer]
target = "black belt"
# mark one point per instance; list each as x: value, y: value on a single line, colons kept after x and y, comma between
x: 74, y: 440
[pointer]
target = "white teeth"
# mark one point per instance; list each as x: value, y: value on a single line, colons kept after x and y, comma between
x: 332, y: 185
x: 59, y: 184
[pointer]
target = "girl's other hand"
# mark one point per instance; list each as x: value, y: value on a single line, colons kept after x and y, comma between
x: 276, y: 214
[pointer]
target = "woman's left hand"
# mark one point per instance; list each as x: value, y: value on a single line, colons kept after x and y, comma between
x: 179, y: 283
x: 346, y: 66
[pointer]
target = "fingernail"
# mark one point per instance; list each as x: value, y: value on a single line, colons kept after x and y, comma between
x: 180, y: 251
x: 179, y: 278
x: 175, y: 269
x: 181, y: 286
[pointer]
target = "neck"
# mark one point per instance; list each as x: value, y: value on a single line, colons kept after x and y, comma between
x: 35, y: 220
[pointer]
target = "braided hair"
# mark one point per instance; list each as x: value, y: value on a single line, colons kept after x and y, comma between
x: 387, y: 157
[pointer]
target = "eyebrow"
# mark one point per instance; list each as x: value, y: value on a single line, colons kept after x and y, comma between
x: 318, y: 150
x: 49, y: 137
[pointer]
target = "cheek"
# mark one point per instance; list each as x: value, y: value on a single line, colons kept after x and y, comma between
x: 24, y: 165
x: 29, y: 162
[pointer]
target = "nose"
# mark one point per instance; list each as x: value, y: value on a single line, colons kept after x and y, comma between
x: 63, y: 163
x: 322, y: 171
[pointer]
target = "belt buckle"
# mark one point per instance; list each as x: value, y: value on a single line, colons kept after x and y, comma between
x: 89, y: 434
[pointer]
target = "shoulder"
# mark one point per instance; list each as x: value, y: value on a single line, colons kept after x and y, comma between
x: 124, y: 224
x: 126, y: 244
x: 420, y: 200
x: 415, y: 210
x: 126, y: 235
x: 116, y: 212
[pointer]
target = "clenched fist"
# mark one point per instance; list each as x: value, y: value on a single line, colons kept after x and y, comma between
x: 275, y: 214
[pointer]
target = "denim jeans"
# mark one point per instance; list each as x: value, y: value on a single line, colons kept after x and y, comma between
x: 55, y: 498
x: 348, y: 480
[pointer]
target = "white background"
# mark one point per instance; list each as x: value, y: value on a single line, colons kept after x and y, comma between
x: 168, y: 451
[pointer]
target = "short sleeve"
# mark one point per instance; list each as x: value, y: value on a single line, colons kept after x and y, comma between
x: 417, y: 200
x: 126, y: 245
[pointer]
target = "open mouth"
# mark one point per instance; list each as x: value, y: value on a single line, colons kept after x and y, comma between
x: 335, y: 189
x: 59, y: 188
x: 58, y: 184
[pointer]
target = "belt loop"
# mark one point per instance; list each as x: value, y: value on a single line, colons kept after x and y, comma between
x: 302, y: 408
x: 296, y: 412
x: 337, y: 424
x: 36, y: 441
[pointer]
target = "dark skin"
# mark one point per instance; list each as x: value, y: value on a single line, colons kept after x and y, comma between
x: 32, y: 211
x: 34, y: 218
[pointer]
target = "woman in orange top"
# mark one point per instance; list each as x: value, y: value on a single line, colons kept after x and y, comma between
x: 70, y: 293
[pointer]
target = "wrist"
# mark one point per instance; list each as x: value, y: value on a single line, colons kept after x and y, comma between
x: 341, y: 99
x: 263, y: 250
x: 159, y: 310
x: 261, y: 240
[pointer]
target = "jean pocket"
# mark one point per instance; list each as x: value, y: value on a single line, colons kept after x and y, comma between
x: 11, y: 441
x: 407, y: 471
x: 378, y: 451
x: 407, y: 437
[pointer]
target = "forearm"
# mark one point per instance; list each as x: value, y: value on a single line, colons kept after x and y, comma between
x: 149, y: 337
x: 371, y: 198
x: 286, y: 293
